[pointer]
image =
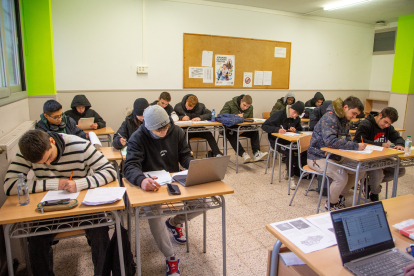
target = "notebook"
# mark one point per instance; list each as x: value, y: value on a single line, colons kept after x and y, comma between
x: 365, y: 242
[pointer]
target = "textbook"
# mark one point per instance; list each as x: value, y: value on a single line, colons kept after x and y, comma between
x: 408, y: 231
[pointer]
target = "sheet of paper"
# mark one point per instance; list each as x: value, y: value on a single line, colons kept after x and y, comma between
x: 207, y: 59
x: 291, y: 134
x: 404, y: 224
x: 124, y: 151
x: 196, y: 72
x: 247, y: 79
x: 94, y: 140
x: 376, y: 148
x: 304, y: 235
x: 180, y: 173
x: 99, y: 196
x: 324, y: 223
x: 289, y: 259
x: 183, y: 123
x: 85, y: 123
x: 267, y: 78
x: 258, y: 77
x: 163, y: 176
x: 200, y: 122
x: 280, y: 52
x: 259, y: 119
x: 365, y: 151
x: 58, y: 195
x: 208, y: 75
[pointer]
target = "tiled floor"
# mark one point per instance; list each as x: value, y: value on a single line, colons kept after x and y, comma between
x: 254, y: 204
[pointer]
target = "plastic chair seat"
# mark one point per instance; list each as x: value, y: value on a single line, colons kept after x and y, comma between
x: 307, y: 168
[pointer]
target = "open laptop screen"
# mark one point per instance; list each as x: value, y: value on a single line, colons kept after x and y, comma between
x: 361, y: 231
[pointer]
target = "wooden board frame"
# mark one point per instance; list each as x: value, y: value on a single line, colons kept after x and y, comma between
x: 250, y: 55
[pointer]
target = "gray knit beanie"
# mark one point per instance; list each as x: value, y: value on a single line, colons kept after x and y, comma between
x: 155, y: 117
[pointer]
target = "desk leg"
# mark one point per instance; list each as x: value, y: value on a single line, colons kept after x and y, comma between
x: 8, y: 249
x: 223, y: 228
x: 204, y: 231
x: 322, y: 185
x: 396, y: 172
x: 273, y: 165
x: 137, y: 242
x: 129, y: 222
x: 225, y: 141
x: 109, y: 140
x: 290, y: 165
x: 186, y: 233
x: 356, y: 184
x: 275, y: 258
x: 237, y: 152
x: 119, y: 238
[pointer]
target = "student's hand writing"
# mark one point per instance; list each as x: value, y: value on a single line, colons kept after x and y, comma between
x: 196, y: 119
x: 386, y: 145
x: 240, y: 115
x: 282, y: 130
x: 87, y: 135
x: 149, y: 184
x: 94, y: 126
x: 292, y: 129
x: 68, y: 185
x: 61, y: 181
x: 185, y: 118
x: 362, y: 146
x: 409, y: 270
x: 123, y: 141
x: 399, y: 148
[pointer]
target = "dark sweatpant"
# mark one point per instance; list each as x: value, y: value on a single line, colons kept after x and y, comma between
x: 254, y: 138
x: 41, y: 252
x: 210, y: 139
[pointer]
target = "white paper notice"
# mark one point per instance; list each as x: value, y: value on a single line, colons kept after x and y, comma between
x: 280, y: 52
x: 207, y: 59
x: 196, y: 72
x: 247, y: 79
x: 258, y: 77
x: 58, y: 195
x: 304, y: 235
x: 267, y: 78
x: 208, y: 75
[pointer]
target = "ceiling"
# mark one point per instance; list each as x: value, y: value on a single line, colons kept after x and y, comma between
x: 368, y: 12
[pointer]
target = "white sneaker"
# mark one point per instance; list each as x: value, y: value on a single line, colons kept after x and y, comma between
x: 246, y: 157
x: 259, y: 156
x: 285, y: 175
x: 219, y: 155
x: 292, y: 183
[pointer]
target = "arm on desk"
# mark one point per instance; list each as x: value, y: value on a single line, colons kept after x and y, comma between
x: 133, y: 164
x: 123, y: 131
x: 75, y: 130
x: 184, y: 152
x: 272, y: 125
x: 363, y: 131
x: 331, y: 140
x: 395, y: 137
x: 205, y: 113
x: 227, y: 109
x: 98, y: 120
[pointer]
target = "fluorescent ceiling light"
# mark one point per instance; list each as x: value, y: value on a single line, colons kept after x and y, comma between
x: 344, y: 4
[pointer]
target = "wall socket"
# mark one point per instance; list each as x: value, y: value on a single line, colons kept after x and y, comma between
x: 142, y: 70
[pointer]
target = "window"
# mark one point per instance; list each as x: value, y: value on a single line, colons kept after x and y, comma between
x: 384, y: 41
x: 11, y: 53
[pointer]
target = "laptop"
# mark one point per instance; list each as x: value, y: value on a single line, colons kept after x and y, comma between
x: 365, y: 242
x: 203, y: 171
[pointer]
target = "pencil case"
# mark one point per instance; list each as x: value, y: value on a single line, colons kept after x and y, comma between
x: 60, y: 207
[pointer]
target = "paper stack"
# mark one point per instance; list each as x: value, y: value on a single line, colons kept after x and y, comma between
x: 163, y: 176
x: 59, y: 195
x: 94, y: 140
x: 99, y: 196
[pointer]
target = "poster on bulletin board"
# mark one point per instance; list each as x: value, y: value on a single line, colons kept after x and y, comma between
x: 225, y: 70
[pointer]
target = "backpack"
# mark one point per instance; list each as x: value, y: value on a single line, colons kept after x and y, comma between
x: 229, y: 120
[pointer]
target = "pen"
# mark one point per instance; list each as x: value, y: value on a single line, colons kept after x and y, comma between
x: 70, y: 178
x: 156, y: 188
x: 281, y: 126
x: 122, y: 137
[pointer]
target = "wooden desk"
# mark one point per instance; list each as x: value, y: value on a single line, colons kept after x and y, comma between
x: 205, y: 193
x: 111, y: 153
x: 353, y: 131
x: 11, y: 213
x: 367, y: 159
x: 328, y: 260
x: 199, y: 124
x: 105, y: 131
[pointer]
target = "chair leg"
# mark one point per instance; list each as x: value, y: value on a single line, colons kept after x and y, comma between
x: 359, y: 194
x: 268, y: 158
x: 280, y: 162
x: 206, y: 149
x: 313, y: 176
x: 297, y: 186
x: 386, y: 190
x: 197, y: 149
x: 273, y: 169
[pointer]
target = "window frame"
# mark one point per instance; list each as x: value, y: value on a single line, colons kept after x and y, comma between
x: 391, y: 52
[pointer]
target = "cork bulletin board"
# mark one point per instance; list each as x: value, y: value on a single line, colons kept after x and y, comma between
x: 250, y: 55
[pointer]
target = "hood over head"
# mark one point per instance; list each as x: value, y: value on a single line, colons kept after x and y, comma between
x: 80, y: 100
x: 289, y: 95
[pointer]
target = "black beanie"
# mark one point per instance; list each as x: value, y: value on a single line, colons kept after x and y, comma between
x: 299, y: 107
x: 139, y: 106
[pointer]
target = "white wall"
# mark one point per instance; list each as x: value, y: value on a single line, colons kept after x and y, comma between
x: 12, y: 115
x: 381, y: 72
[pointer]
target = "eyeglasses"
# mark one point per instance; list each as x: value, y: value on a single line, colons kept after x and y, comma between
x: 56, y: 117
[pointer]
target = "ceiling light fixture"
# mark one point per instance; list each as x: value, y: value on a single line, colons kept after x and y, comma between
x: 344, y: 4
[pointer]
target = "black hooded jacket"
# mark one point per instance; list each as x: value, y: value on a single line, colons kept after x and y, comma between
x: 125, y: 130
x: 369, y: 130
x: 168, y: 108
x: 81, y: 100
x: 70, y: 127
x: 199, y: 110
x: 146, y: 153
x: 317, y: 114
x: 311, y: 103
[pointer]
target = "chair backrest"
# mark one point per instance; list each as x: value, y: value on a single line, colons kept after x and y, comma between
x: 266, y: 115
x: 304, y: 143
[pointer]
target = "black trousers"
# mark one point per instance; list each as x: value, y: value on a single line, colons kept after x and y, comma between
x: 210, y: 139
x: 294, y: 170
x: 41, y: 252
x: 254, y: 138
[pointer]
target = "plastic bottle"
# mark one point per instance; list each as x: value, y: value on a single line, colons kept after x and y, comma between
x: 22, y: 190
x: 213, y: 115
x: 408, y: 142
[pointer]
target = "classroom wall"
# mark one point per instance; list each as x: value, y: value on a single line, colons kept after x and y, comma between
x: 13, y: 115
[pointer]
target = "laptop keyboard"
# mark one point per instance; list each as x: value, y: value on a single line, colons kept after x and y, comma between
x: 389, y: 264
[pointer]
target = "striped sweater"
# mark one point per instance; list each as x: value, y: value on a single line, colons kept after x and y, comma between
x: 90, y: 168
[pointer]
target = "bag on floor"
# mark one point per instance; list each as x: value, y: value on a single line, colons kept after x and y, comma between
x: 229, y: 120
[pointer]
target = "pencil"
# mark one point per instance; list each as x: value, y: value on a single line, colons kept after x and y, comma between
x: 70, y: 178
x: 362, y: 139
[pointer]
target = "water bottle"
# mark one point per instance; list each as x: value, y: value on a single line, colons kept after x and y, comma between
x: 22, y: 190
x: 408, y: 142
x: 213, y: 115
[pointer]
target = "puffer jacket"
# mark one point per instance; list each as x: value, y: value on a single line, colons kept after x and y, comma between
x: 331, y: 131
x: 233, y: 107
x: 281, y: 103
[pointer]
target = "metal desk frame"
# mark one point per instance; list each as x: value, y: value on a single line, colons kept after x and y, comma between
x: 208, y: 128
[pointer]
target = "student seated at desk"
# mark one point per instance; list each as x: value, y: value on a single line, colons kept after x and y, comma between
x: 242, y: 106
x: 159, y: 144
x: 317, y: 114
x: 53, y: 119
x: 331, y: 131
x: 281, y: 121
x: 377, y: 129
x: 164, y: 101
x: 316, y: 101
x: 52, y: 157
x: 132, y: 122
x: 191, y: 109
x: 289, y: 99
x: 81, y: 108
